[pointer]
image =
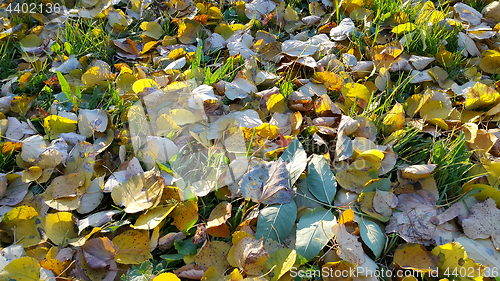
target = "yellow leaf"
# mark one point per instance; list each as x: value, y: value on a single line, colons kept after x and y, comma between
x: 32, y: 174
x: 25, y: 79
x: 338, y: 266
x: 55, y: 125
x: 165, y: 123
x: 21, y: 104
x: 224, y: 30
x: 365, y: 201
x: 60, y: 227
x: 291, y: 15
x: 323, y: 105
x: 315, y: 9
x: 404, y: 28
x: 177, y: 53
x: 280, y: 261
x: 139, y: 193
x: 212, y: 275
x: 99, y: 71
x: 166, y: 277
x: 276, y: 103
x: 444, y: 56
x: 355, y: 92
x: 133, y: 247
x: 54, y: 265
x: 182, y: 116
x: 20, y: 213
x: 188, y: 30
x: 214, y: 13
x: 220, y: 214
x: 486, y: 192
x: 481, y: 96
x: 152, y: 29
x: 357, y: 175
x: 153, y: 217
x: 428, y: 13
x: 453, y: 258
x: 70, y: 185
x: 214, y: 254
x: 142, y: 84
x: 21, y: 269
x: 238, y: 235
x: 490, y: 62
x: 434, y: 109
x: 125, y: 81
x: 26, y: 224
x: 394, y: 119
x: 31, y: 40
x: 493, y: 169
x: 184, y: 214
x: 216, y: 225
x: 330, y: 80
x: 374, y: 156
x: 416, y: 257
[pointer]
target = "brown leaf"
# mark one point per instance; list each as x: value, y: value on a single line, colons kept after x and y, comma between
x: 413, y: 223
x: 167, y: 241
x: 250, y: 256
x: 483, y: 222
x: 349, y: 248
x: 99, y: 252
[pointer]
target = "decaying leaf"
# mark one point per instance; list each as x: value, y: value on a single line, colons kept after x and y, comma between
x: 268, y: 184
x: 349, y: 248
x: 250, y: 256
x: 413, y: 223
x: 482, y: 222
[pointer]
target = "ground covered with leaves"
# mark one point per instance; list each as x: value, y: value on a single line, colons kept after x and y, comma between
x: 249, y: 140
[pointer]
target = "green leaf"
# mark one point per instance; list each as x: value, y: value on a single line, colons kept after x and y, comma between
x: 276, y: 221
x: 304, y: 197
x: 295, y: 158
x: 282, y: 260
x: 320, y: 179
x: 372, y: 236
x: 314, y: 231
x: 383, y: 184
x: 172, y: 257
x: 68, y: 48
x: 66, y: 89
x: 186, y: 247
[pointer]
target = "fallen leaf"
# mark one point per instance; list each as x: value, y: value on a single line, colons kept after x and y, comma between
x: 268, y: 184
x: 60, y: 227
x: 24, y: 268
x: 280, y: 261
x: 133, y: 247
x: 250, y: 256
x: 415, y: 257
x: 213, y: 254
x: 184, y: 214
x: 357, y: 175
x: 453, y: 258
x: 349, y: 248
x: 138, y: 193
x: 313, y: 232
x: 481, y: 222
